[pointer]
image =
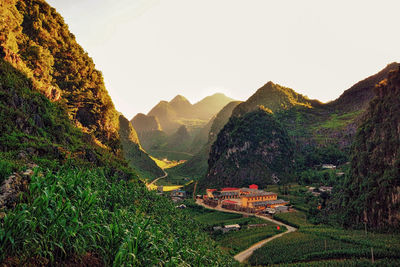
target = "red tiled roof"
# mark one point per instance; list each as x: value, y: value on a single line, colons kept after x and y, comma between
x: 211, y: 190
x: 253, y: 186
x: 229, y: 189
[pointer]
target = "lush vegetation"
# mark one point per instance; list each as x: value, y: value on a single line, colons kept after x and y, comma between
x: 73, y: 212
x: 35, y: 40
x: 254, y: 148
x: 320, y: 243
x: 370, y: 193
x: 36, y: 130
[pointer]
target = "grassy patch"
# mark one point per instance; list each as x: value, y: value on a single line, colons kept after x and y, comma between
x: 297, y: 219
x: 336, y: 121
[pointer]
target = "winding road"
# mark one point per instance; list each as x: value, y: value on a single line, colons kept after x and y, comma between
x: 161, y: 177
x: 242, y: 256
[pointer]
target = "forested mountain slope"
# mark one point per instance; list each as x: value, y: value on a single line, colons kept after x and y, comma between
x: 320, y: 132
x: 371, y: 192
x: 36, y: 41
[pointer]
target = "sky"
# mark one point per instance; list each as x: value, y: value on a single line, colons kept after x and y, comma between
x: 152, y: 50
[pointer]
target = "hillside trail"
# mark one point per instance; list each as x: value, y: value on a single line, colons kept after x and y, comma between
x: 242, y: 256
x: 158, y: 178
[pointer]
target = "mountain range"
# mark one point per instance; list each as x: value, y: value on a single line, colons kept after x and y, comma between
x: 178, y: 125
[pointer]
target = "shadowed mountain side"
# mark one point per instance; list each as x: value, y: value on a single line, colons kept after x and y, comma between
x: 136, y: 157
x: 371, y: 193
x: 359, y: 95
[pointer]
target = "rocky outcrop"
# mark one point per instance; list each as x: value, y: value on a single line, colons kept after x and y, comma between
x: 372, y: 190
x: 12, y: 188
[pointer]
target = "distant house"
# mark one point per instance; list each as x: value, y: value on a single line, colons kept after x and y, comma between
x: 178, y: 193
x: 231, y: 227
x: 328, y: 166
x: 182, y: 206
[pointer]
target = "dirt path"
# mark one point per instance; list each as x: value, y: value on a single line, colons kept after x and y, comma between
x: 242, y: 256
x: 161, y: 177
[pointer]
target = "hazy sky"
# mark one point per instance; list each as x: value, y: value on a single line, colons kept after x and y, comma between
x: 152, y: 50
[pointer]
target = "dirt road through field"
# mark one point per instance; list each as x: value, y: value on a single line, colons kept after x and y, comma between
x: 242, y: 256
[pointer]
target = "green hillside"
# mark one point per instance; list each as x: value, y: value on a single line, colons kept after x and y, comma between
x: 274, y: 97
x: 321, y: 133
x: 254, y: 148
x: 36, y: 41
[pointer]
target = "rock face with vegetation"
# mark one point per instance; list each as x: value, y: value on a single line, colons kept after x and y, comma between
x: 371, y: 193
x: 253, y: 148
x: 36, y: 41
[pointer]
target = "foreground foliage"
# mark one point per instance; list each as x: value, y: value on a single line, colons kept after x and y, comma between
x: 76, y: 211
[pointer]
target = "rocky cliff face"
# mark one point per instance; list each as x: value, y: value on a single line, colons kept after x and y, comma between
x: 372, y: 191
x: 254, y: 148
x: 35, y: 40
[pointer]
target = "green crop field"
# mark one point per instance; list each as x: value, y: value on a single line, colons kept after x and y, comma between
x: 237, y: 241
x: 296, y: 219
x: 324, y: 243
